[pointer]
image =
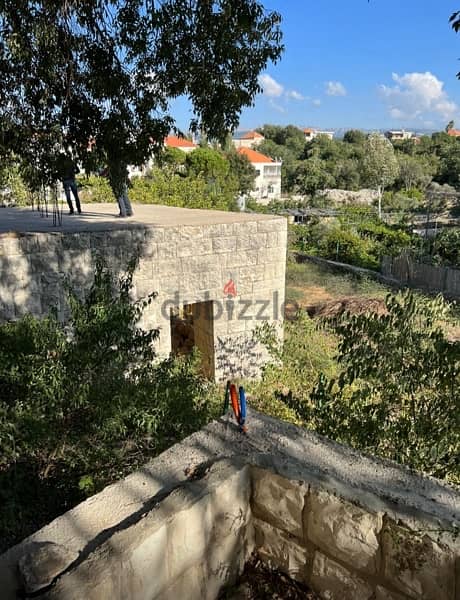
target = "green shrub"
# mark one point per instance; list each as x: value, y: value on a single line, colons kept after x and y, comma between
x: 294, y: 368
x: 81, y: 405
x: 446, y: 247
x: 10, y: 178
x: 95, y: 189
x: 397, y: 394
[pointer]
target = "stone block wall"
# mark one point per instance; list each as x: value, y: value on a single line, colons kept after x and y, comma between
x: 351, y: 527
x: 182, y: 264
x: 346, y: 551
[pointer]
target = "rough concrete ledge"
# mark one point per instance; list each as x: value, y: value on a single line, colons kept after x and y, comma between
x: 99, y: 525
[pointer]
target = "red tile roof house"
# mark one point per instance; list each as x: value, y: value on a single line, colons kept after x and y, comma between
x: 454, y: 132
x: 172, y: 141
x: 268, y: 179
x: 247, y: 139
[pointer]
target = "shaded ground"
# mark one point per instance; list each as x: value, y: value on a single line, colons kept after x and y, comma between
x: 259, y: 582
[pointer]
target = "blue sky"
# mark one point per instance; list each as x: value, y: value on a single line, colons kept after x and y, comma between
x: 350, y: 63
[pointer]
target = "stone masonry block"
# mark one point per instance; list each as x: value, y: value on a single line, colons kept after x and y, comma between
x: 200, y: 263
x: 274, y: 225
x: 10, y: 245
x: 50, y: 242
x: 253, y: 273
x: 224, y: 244
x: 333, y: 582
x: 267, y: 255
x: 278, y: 501
x: 166, y: 251
x: 417, y: 565
x: 250, y: 242
x: 195, y: 247
x: 191, y: 585
x: 241, y: 258
x: 178, y: 235
x: 245, y: 228
x: 275, y: 271
x: 282, y: 551
x: 76, y: 241
x: 344, y: 531
x: 165, y: 268
x: 231, y: 540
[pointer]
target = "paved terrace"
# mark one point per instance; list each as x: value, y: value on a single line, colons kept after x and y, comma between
x: 103, y: 217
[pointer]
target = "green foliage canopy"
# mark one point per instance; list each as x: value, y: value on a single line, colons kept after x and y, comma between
x: 105, y: 71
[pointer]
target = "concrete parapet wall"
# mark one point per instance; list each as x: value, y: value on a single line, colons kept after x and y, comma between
x: 184, y: 264
x: 350, y: 526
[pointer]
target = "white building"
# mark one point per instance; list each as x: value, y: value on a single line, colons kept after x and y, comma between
x: 311, y: 134
x: 399, y: 135
x: 268, y: 175
x: 247, y: 139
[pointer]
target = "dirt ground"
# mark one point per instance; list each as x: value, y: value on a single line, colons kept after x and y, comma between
x: 259, y: 582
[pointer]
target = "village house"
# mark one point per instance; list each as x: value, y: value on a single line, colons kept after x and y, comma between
x: 310, y: 134
x: 268, y: 175
x: 172, y: 141
x: 402, y: 134
x: 247, y: 139
x: 454, y: 132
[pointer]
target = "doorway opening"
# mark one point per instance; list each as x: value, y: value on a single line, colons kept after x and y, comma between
x: 192, y: 327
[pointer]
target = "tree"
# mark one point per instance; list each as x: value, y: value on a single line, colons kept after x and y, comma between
x: 413, y: 172
x: 450, y: 125
x: 313, y: 175
x: 455, y: 22
x: 288, y: 158
x: 103, y: 71
x: 242, y: 169
x: 354, y: 136
x: 207, y: 162
x: 380, y: 167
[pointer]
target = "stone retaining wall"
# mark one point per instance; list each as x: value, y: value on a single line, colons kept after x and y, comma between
x: 345, y: 550
x: 352, y: 527
x: 183, y: 264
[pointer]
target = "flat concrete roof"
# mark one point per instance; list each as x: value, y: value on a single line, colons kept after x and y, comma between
x: 103, y: 217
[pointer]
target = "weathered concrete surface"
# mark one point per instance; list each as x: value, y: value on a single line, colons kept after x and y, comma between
x: 132, y: 518
x: 187, y: 257
x: 103, y: 217
x: 42, y: 563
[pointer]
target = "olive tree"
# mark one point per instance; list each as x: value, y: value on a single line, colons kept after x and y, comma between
x: 380, y: 166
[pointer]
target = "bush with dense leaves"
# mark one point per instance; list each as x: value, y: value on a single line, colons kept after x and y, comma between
x: 398, y: 390
x: 83, y: 404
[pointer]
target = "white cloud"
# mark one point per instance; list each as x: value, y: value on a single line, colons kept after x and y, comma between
x: 335, y: 88
x: 270, y: 86
x: 316, y: 102
x: 416, y: 95
x: 277, y: 107
x: 295, y: 95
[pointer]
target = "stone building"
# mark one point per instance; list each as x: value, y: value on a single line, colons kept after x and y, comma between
x: 224, y: 271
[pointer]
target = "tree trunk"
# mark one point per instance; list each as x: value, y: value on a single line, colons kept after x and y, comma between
x: 380, y: 194
x: 118, y: 178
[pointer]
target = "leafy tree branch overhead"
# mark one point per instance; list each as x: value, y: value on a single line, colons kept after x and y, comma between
x: 105, y: 71
x: 455, y: 22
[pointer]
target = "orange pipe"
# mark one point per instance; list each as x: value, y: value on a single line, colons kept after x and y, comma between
x: 235, y: 405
